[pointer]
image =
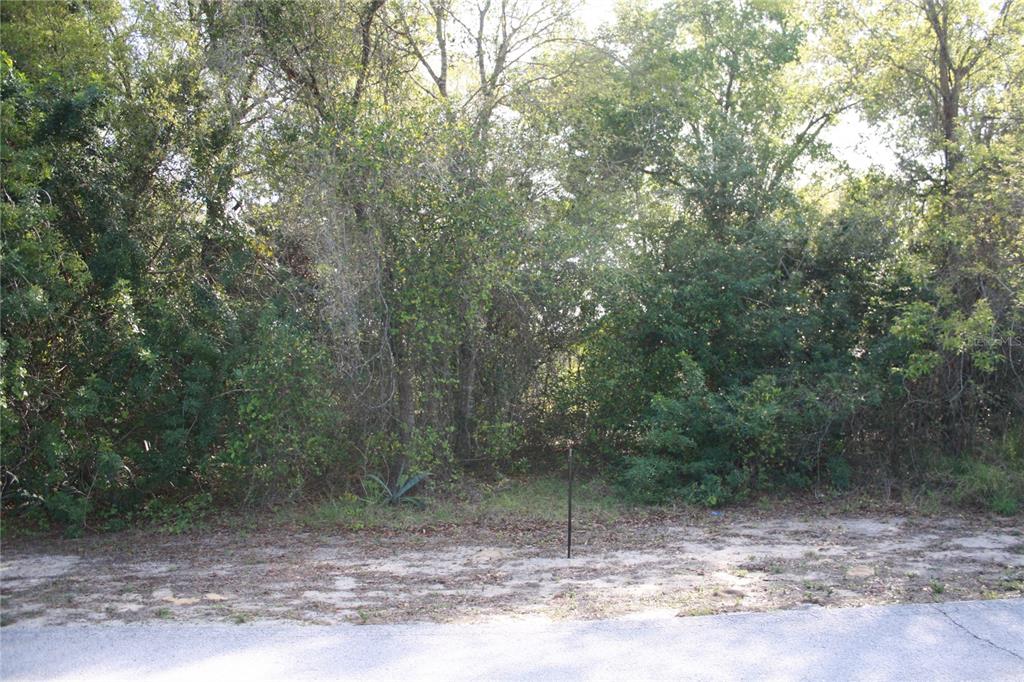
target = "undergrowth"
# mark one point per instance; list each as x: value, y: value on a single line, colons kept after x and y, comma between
x: 541, y: 500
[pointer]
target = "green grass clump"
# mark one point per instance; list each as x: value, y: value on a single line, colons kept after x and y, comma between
x: 349, y: 511
x: 998, y: 488
x: 544, y: 500
x: 541, y: 500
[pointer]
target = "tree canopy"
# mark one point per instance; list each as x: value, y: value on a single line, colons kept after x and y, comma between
x: 264, y: 250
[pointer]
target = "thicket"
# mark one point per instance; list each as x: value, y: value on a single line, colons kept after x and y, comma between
x: 258, y: 251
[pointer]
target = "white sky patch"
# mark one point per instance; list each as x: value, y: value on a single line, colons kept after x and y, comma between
x: 594, y: 14
x: 859, y: 144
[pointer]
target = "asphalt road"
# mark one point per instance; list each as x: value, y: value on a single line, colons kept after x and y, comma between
x: 953, y: 641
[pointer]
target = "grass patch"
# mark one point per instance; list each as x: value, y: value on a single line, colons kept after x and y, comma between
x: 356, y: 514
x: 544, y: 499
x: 996, y: 487
x: 540, y: 501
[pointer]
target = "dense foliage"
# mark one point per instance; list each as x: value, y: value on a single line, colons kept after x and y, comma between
x: 262, y: 250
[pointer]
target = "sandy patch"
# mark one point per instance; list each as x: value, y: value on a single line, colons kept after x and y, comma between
x: 688, y: 564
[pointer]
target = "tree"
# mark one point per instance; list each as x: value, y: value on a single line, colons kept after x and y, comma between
x: 944, y: 77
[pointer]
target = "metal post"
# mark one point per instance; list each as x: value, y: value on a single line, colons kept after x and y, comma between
x: 568, y: 542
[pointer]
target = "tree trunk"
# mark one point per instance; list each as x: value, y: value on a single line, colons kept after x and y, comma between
x: 464, y: 401
x: 406, y: 411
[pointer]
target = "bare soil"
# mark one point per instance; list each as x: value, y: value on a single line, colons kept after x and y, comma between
x: 690, y: 563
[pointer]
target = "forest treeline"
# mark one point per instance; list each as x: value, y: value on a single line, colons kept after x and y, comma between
x: 259, y: 251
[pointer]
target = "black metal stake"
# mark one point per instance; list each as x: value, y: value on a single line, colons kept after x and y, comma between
x: 568, y: 541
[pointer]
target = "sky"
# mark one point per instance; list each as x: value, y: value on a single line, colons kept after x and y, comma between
x: 594, y: 13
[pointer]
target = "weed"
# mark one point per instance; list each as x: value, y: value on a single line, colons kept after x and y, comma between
x: 178, y: 518
x: 997, y: 487
x: 544, y: 500
x: 537, y: 501
x: 1010, y: 584
x: 925, y: 501
x: 813, y: 586
x: 399, y: 492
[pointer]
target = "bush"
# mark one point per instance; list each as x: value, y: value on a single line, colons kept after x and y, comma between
x: 649, y: 480
x: 840, y: 473
x: 710, y: 491
x: 178, y: 516
x: 724, y: 443
x: 287, y: 430
x: 996, y: 488
x: 68, y: 510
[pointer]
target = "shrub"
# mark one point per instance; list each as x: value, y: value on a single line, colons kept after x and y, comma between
x: 649, y: 480
x: 995, y: 487
x: 840, y: 472
x: 724, y: 443
x: 287, y: 429
x: 68, y: 510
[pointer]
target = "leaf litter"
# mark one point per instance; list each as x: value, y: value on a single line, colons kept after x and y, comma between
x: 655, y: 564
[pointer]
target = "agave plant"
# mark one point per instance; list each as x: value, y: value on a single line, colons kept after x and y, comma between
x: 400, y: 491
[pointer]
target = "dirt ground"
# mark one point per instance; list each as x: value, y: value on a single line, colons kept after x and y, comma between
x: 691, y: 563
